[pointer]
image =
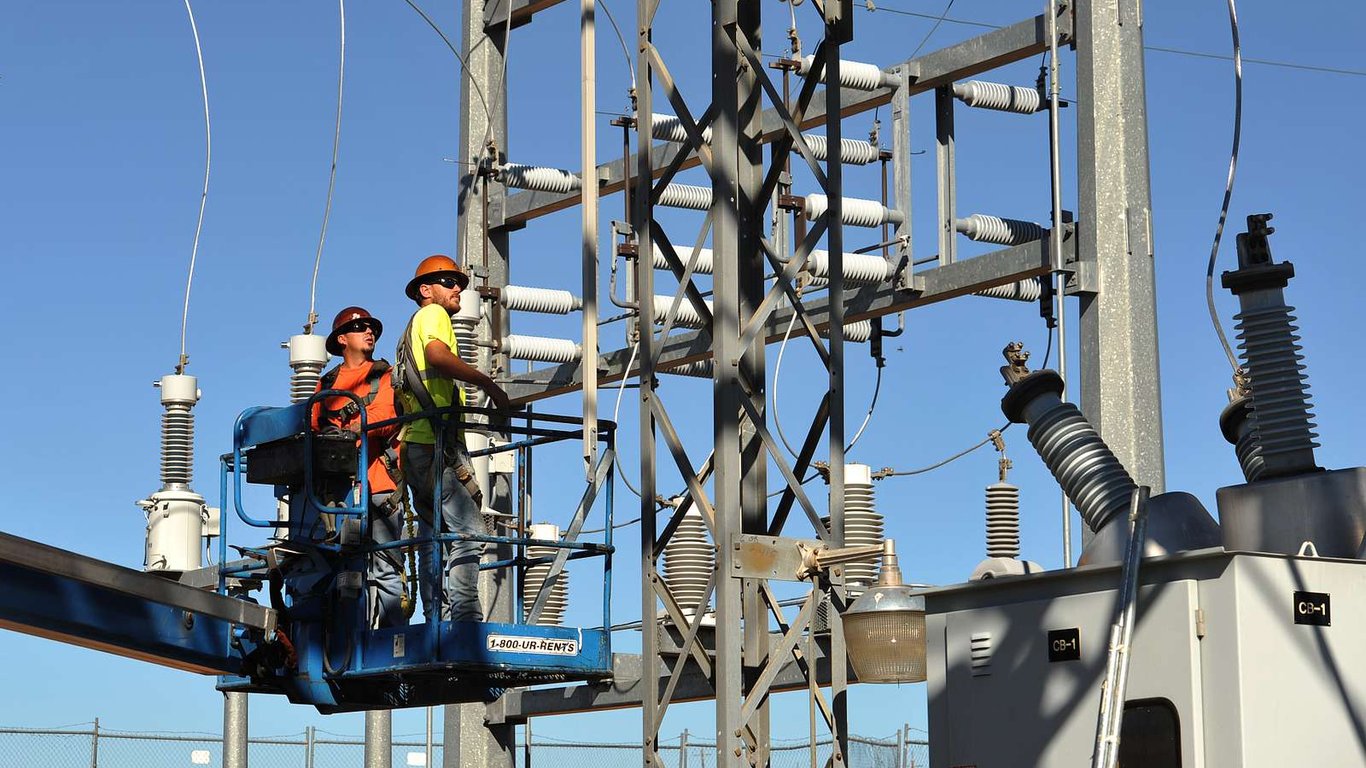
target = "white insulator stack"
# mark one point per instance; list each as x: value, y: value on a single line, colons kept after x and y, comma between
x: 542, y: 349
x: 702, y: 267
x: 1022, y: 290
x: 1003, y: 520
x: 858, y: 331
x: 852, y: 151
x: 685, y: 196
x: 465, y: 327
x: 545, y: 300
x: 859, y: 268
x: 1000, y: 97
x: 700, y: 369
x: 855, y: 213
x: 538, y: 178
x: 558, y: 601
x: 862, y: 523
x: 176, y: 515
x: 994, y: 229
x: 307, y: 358
x: 689, y: 560
x: 855, y: 74
x: 686, y: 317
x: 670, y: 128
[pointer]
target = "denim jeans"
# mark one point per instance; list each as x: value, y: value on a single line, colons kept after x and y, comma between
x: 457, y: 591
x: 385, y: 571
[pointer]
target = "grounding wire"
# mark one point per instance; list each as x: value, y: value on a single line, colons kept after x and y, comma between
x: 332, y: 176
x: 933, y: 29
x: 463, y: 64
x: 616, y: 411
x: 1228, y: 186
x: 204, y: 196
x: 777, y: 420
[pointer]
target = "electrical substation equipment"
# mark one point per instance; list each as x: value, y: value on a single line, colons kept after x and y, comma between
x: 178, y: 520
x: 689, y: 560
x: 534, y: 578
x: 885, y: 628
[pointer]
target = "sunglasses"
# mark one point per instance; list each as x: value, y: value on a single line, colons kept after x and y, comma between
x: 358, y: 326
x: 449, y: 283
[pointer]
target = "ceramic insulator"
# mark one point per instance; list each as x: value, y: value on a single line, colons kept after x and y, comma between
x: 855, y: 213
x: 670, y: 128
x: 686, y: 317
x: 862, y: 523
x: 177, y: 445
x: 685, y: 196
x: 542, y: 349
x: 538, y: 178
x: 701, y: 369
x: 546, y: 300
x: 465, y: 327
x: 1024, y: 290
x: 307, y: 358
x: 861, y: 268
x: 1003, y: 520
x: 855, y: 74
x: 1082, y: 463
x: 1281, y: 413
x: 999, y: 96
x: 994, y: 229
x: 852, y: 151
x: 857, y: 332
x: 702, y: 267
x: 689, y: 560
x: 558, y: 602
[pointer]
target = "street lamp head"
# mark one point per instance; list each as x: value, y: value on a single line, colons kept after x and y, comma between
x: 884, y: 629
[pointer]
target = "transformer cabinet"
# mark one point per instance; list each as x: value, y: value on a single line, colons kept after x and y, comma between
x: 1238, y: 659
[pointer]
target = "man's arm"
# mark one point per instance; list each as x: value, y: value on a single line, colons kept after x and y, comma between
x: 440, y: 357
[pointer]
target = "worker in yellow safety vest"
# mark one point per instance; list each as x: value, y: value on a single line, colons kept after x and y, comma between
x: 430, y: 372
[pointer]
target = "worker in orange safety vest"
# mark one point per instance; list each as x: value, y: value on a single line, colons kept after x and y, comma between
x: 353, y: 337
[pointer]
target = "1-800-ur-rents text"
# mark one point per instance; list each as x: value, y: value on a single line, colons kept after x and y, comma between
x: 542, y: 645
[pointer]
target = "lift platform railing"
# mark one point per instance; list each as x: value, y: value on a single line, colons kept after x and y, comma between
x: 263, y: 424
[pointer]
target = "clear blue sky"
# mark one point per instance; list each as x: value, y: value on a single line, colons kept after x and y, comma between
x: 102, y: 146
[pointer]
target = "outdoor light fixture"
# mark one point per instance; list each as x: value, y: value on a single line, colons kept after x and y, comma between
x: 884, y: 629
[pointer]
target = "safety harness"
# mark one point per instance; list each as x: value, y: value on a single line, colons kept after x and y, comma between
x: 350, y: 411
x: 410, y: 380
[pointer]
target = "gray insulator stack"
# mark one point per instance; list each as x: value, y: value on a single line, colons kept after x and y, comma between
x: 994, y: 229
x: 1236, y: 424
x: 1281, y: 416
x: 859, y: 268
x: 689, y: 560
x: 558, y: 602
x: 538, y: 178
x: 1003, y: 520
x: 1000, y: 97
x: 1070, y: 447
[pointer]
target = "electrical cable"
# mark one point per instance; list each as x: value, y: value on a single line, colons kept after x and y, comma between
x: 332, y: 177
x: 501, y: 94
x: 621, y: 389
x: 955, y: 457
x: 933, y: 29
x: 777, y: 419
x: 463, y: 64
x: 203, y: 197
x: 624, y: 49
x: 1228, y: 186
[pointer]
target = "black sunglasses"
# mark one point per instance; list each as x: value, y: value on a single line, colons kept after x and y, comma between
x: 358, y: 326
x: 446, y: 282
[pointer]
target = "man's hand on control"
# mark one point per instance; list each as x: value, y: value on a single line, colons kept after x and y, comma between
x: 499, y: 397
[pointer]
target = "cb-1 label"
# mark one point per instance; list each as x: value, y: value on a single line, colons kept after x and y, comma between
x: 545, y: 646
x: 1064, y: 645
x: 1313, y: 608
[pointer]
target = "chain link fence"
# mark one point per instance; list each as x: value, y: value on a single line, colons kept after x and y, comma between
x: 102, y: 748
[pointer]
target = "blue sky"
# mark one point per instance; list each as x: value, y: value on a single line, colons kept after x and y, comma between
x: 102, y: 149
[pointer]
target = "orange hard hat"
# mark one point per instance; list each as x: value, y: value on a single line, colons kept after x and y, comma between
x: 347, y: 317
x: 433, y: 267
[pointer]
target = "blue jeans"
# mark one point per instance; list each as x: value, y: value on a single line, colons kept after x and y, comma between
x: 385, y: 570
x: 457, y: 591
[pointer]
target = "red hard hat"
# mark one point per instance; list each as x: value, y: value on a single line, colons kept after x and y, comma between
x: 432, y: 267
x: 346, y: 317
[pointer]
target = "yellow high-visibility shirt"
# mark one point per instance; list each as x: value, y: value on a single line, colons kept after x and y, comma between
x: 430, y: 323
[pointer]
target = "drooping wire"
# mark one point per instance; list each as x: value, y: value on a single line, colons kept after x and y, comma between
x: 955, y: 457
x: 501, y: 94
x: 203, y: 197
x: 933, y: 29
x: 606, y: 9
x: 332, y: 176
x: 463, y: 64
x: 1228, y: 186
x: 616, y: 411
x: 777, y: 417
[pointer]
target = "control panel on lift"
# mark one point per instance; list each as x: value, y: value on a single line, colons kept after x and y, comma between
x: 312, y: 569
